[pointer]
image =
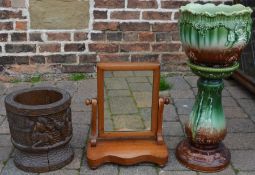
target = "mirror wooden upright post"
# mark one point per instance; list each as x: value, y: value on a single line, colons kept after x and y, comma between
x: 121, y: 146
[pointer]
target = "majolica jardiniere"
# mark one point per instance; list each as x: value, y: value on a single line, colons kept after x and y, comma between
x: 214, y: 35
x: 213, y: 38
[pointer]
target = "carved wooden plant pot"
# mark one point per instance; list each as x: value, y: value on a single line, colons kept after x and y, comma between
x: 41, y: 128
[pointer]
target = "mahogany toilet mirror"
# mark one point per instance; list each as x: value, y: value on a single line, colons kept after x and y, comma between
x: 126, y: 124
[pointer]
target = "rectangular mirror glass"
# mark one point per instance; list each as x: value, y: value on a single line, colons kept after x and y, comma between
x: 127, y: 100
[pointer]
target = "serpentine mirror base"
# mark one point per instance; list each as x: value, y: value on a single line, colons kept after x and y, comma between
x: 127, y: 116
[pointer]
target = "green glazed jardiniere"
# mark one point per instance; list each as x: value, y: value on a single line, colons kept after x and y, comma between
x: 214, y: 35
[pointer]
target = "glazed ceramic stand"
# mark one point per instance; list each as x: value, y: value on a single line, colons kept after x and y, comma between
x: 203, y: 149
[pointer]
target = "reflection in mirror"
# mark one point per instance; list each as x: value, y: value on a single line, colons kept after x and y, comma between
x: 127, y: 100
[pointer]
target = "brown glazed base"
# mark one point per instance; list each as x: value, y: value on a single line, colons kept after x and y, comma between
x: 204, y: 160
x: 44, y: 162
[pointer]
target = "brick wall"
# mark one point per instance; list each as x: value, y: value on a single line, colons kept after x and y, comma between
x: 119, y: 30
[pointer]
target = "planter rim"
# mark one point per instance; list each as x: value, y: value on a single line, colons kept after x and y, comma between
x: 33, y: 109
x: 212, y: 10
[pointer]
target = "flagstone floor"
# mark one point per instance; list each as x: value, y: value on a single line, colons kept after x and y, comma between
x: 239, y: 107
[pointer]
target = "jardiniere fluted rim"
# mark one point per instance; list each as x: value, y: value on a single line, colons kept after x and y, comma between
x: 214, y: 35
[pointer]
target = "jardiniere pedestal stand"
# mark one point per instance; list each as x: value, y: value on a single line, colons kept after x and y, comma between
x: 213, y: 38
x: 206, y: 128
x: 41, y: 128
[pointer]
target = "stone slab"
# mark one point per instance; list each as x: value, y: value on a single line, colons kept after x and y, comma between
x: 240, y: 126
x: 116, y: 83
x: 243, y: 159
x: 184, y: 106
x: 76, y: 163
x: 137, y: 79
x: 11, y: 169
x: 116, y: 93
x: 123, y: 73
x: 62, y: 172
x: 170, y: 113
x: 128, y: 123
x: 59, y: 14
x: 182, y: 93
x: 140, y: 87
x: 172, y: 129
x: 228, y: 171
x: 143, y: 73
x: 138, y: 170
x: 234, y: 112
x: 240, y: 141
x: 143, y: 99
x: 173, y: 164
x: 178, y: 82
x: 108, y: 169
x: 122, y: 105
x: 5, y: 152
x: 80, y: 135
x: 248, y: 105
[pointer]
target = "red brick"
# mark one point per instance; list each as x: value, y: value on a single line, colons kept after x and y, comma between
x: 37, y: 59
x: 5, y: 60
x: 21, y: 25
x: 145, y: 58
x: 176, y: 15
x: 19, y: 48
x: 102, y: 47
x: 55, y: 47
x: 100, y: 14
x: 3, y: 37
x: 6, y: 14
x: 5, y: 3
x: 142, y: 4
x: 106, y: 26
x: 125, y: 15
x: 143, y: 26
x: 19, y: 36
x: 98, y: 36
x: 74, y: 47
x: 59, y: 36
x: 170, y: 67
x: 22, y: 60
x: 114, y: 36
x: 165, y: 27
x: 87, y: 68
x: 166, y: 47
x: 80, y: 36
x: 163, y: 36
x: 6, y: 26
x: 61, y: 59
x: 173, y: 4
x: 109, y: 3
x: 135, y: 47
x: 175, y: 36
x: 92, y: 58
x: 35, y: 37
x: 146, y: 36
x: 174, y: 58
x: 130, y: 36
x: 157, y: 15
x: 114, y: 57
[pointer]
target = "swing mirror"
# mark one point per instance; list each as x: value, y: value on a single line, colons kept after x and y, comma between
x: 127, y: 99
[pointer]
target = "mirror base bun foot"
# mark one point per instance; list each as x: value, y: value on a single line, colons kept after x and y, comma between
x: 126, y: 152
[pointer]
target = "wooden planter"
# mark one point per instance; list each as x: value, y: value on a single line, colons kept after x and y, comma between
x: 41, y: 128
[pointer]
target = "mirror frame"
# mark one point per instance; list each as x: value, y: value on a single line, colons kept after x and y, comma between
x: 101, y: 68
